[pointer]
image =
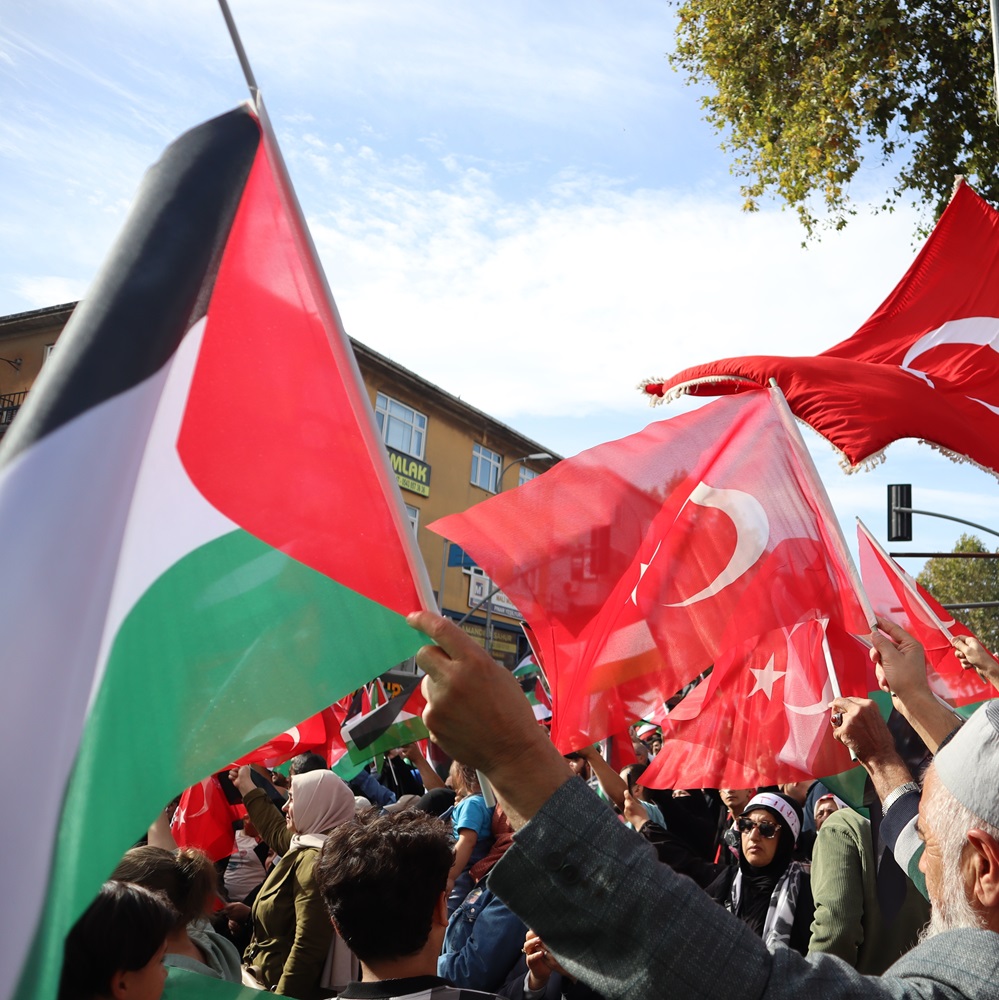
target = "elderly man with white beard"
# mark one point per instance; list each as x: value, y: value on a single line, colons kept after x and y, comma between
x: 629, y: 927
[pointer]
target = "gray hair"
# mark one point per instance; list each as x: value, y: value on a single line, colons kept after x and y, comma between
x: 950, y: 821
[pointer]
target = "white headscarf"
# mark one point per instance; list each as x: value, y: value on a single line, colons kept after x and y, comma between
x: 321, y: 802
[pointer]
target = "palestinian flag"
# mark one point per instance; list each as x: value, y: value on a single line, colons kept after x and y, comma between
x: 539, y: 700
x: 393, y: 723
x: 203, y: 536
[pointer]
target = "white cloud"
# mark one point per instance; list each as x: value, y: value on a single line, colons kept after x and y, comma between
x: 39, y: 291
x: 585, y: 288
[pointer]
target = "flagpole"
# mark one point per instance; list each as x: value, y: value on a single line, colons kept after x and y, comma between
x: 538, y: 663
x: 237, y: 42
x: 819, y: 489
x: 837, y: 691
x: 905, y: 580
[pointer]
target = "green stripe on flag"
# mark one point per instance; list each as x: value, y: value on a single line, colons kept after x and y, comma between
x: 400, y: 733
x: 182, y: 984
x: 236, y: 642
x: 346, y: 768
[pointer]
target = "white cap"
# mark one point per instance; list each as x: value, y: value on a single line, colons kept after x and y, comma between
x: 968, y: 764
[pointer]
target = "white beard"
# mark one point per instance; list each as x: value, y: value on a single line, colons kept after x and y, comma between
x: 952, y: 911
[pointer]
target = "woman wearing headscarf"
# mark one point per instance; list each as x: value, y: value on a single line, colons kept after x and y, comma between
x: 768, y: 890
x: 290, y: 949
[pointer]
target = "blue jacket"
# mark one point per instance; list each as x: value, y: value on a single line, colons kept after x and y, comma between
x: 483, y: 941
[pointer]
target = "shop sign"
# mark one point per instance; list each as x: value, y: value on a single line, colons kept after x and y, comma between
x: 499, y: 604
x: 410, y: 473
x: 503, y: 641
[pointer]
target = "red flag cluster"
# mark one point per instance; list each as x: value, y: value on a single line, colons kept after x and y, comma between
x: 896, y: 595
x: 925, y: 365
x: 699, y: 543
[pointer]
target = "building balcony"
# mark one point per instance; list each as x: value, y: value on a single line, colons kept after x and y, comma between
x: 9, y: 405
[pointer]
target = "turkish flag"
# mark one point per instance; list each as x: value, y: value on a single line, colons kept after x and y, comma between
x: 204, y: 820
x: 640, y: 562
x: 320, y: 733
x: 896, y: 595
x: 925, y: 365
x: 761, y: 717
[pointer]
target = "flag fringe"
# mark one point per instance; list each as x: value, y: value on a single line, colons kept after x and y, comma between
x: 956, y: 456
x: 877, y: 458
x: 653, y: 387
x: 868, y: 464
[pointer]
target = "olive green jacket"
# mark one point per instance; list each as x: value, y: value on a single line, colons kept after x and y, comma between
x: 848, y: 920
x: 291, y: 929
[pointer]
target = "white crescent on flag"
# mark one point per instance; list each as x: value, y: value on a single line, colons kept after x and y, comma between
x: 973, y: 331
x: 203, y: 785
x: 752, y: 534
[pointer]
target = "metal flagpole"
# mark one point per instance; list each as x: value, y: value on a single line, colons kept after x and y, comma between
x: 240, y: 51
x: 837, y: 692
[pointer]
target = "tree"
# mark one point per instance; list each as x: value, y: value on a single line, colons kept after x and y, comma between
x: 806, y: 91
x: 951, y: 581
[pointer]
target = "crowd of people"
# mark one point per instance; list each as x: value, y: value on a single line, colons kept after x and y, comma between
x: 527, y: 874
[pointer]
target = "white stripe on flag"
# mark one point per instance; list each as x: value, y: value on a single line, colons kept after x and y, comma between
x: 59, y: 491
x: 169, y: 518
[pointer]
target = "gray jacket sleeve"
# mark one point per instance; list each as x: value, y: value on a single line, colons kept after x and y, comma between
x: 628, y: 926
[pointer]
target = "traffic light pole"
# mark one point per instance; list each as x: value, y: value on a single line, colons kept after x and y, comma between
x: 946, y: 517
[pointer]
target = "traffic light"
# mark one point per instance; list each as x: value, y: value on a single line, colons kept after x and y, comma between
x: 900, y: 521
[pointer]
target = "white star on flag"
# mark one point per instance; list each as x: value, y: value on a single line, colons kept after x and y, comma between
x: 765, y: 679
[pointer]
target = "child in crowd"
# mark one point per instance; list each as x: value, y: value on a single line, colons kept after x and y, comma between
x: 471, y: 823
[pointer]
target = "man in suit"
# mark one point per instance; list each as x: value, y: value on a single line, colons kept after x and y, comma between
x: 629, y: 927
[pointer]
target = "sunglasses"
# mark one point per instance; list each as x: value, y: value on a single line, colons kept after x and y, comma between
x: 767, y: 830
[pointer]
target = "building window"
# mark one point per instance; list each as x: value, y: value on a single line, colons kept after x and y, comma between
x: 526, y: 475
x: 486, y: 466
x: 413, y: 513
x: 48, y: 352
x: 402, y: 427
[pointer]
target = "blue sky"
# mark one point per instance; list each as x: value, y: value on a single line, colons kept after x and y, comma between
x: 518, y: 201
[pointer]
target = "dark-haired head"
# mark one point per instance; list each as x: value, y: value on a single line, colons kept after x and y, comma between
x: 111, y: 949
x: 306, y: 762
x: 380, y: 865
x: 186, y: 877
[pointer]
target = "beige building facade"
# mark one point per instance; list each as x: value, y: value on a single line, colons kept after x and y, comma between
x: 446, y: 455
